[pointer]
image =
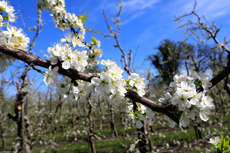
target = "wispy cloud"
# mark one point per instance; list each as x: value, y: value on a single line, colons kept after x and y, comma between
x: 220, y: 14
x: 211, y: 9
x: 108, y: 6
x: 132, y: 9
x: 134, y: 16
x: 136, y: 5
x: 129, y: 6
x: 145, y: 35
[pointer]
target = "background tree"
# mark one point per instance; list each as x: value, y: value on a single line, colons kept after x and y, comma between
x: 198, y: 59
x: 169, y: 59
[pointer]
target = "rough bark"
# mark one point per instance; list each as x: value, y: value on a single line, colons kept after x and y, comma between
x: 73, y: 74
x: 112, y: 122
x: 2, y: 105
x: 197, y: 130
x: 227, y: 79
x: 144, y: 143
x: 2, y: 130
x: 20, y: 116
x: 91, y: 131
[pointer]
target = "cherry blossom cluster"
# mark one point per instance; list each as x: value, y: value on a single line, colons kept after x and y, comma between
x: 51, y: 76
x: 94, y: 52
x: 82, y: 91
x: 69, y: 57
x: 9, y: 16
x: 75, y: 41
x: 73, y: 57
x: 214, y: 141
x: 78, y: 90
x: 188, y: 98
x: 93, y: 55
x: 12, y: 36
x: 136, y: 83
x: 111, y: 82
x: 219, y: 144
x: 5, y: 61
x: 139, y: 115
x: 62, y: 19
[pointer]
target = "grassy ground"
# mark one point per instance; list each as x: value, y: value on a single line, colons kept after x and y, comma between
x: 162, y: 135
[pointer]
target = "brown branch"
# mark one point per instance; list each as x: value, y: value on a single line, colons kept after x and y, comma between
x: 216, y: 79
x: 75, y: 75
x: 213, y: 35
x: 10, y: 116
x: 37, y: 61
x: 124, y: 55
x: 154, y: 106
x: 117, y: 34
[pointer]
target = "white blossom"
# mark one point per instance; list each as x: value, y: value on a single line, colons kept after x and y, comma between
x: 214, y: 141
x: 137, y: 83
x: 50, y: 76
x: 14, y: 38
x: 4, y: 7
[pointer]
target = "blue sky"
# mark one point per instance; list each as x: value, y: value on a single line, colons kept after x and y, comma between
x: 146, y: 23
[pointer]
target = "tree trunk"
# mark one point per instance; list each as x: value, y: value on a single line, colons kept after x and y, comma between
x: 62, y: 127
x: 26, y: 146
x: 2, y: 130
x: 227, y: 79
x: 144, y: 143
x: 73, y: 116
x: 197, y: 131
x: 91, y: 132
x: 101, y: 113
x: 112, y: 123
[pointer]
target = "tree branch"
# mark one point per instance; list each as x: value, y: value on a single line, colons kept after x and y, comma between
x: 75, y: 75
x: 212, y: 34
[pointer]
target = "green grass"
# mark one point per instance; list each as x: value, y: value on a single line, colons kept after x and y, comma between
x: 11, y: 134
x: 7, y: 142
x: 170, y: 136
x: 197, y: 151
x: 108, y: 125
x: 101, y: 146
x: 115, y: 144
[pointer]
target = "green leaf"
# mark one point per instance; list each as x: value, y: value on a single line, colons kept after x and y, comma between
x: 218, y: 150
x: 2, y: 9
x: 83, y: 17
x: 5, y: 17
x: 226, y: 142
x: 220, y: 145
x: 212, y: 147
x: 198, y: 82
x: 226, y: 151
x: 93, y: 40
